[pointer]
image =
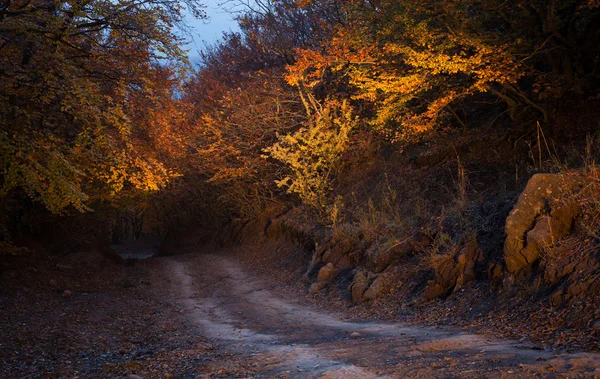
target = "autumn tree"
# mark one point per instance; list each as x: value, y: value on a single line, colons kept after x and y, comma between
x: 80, y: 86
x: 313, y: 153
x: 240, y: 101
x: 231, y: 128
x: 415, y: 62
x: 275, y: 28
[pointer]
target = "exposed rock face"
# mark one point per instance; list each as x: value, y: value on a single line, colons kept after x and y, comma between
x: 571, y: 270
x: 407, y: 246
x: 380, y: 286
x: 326, y: 274
x: 564, y: 262
x: 576, y: 291
x: 533, y: 224
x: 338, y: 254
x: 359, y: 286
x: 453, y: 270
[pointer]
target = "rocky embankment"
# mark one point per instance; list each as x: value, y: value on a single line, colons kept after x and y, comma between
x: 544, y: 285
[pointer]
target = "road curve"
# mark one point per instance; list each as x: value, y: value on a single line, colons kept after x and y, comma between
x: 244, y: 314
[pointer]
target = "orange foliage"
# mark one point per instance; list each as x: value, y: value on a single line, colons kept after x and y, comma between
x: 414, y: 61
x: 86, y: 110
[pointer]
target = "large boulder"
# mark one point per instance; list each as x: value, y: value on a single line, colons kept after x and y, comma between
x: 382, y: 285
x: 326, y: 273
x: 536, y: 222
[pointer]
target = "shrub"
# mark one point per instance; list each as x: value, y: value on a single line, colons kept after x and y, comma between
x: 312, y: 154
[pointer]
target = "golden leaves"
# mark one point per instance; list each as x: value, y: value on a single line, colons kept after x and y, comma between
x: 312, y: 153
x: 413, y: 67
x: 85, y: 110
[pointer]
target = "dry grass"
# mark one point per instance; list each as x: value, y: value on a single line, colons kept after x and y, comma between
x: 456, y: 198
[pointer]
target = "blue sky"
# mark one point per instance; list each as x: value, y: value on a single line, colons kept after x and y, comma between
x: 211, y: 30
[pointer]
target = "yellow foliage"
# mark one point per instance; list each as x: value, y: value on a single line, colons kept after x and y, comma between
x: 312, y: 154
x: 85, y: 108
x: 413, y: 66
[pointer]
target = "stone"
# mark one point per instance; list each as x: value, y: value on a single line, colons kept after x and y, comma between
x: 453, y: 270
x: 66, y: 294
x: 316, y: 287
x: 588, y: 288
x: 495, y: 274
x: 338, y: 253
x: 52, y: 283
x: 326, y: 255
x: 562, y: 263
x: 355, y: 335
x: 548, y: 230
x: 133, y: 376
x: 360, y: 284
x: 380, y: 286
x: 557, y: 298
x: 466, y: 263
x: 435, y: 290
x: 387, y: 256
x: 530, y: 225
x: 326, y: 273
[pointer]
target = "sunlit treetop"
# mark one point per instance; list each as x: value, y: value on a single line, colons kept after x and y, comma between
x: 76, y: 80
x: 414, y: 61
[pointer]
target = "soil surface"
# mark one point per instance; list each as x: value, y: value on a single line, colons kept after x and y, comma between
x: 205, y: 315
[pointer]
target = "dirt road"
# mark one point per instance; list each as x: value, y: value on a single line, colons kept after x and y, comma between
x: 280, y: 337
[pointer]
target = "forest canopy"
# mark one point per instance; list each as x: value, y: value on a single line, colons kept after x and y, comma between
x: 80, y: 84
x: 404, y: 70
x: 98, y: 102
